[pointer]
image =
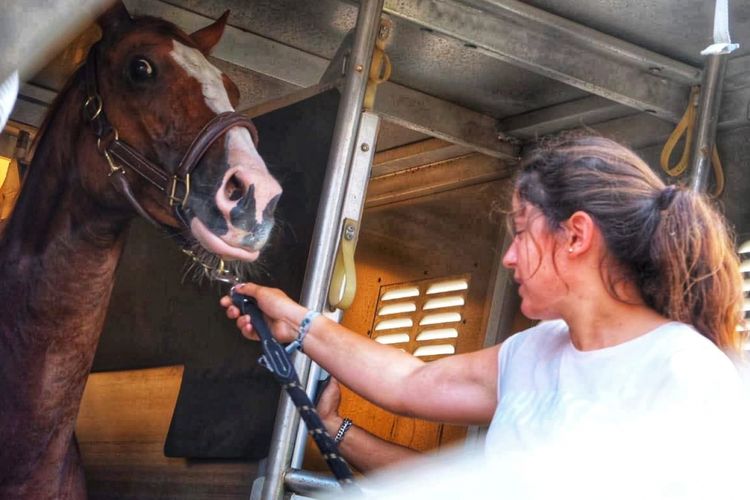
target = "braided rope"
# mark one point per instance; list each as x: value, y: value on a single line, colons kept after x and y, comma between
x: 277, y: 361
x: 318, y: 432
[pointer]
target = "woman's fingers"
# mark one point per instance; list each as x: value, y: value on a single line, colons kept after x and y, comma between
x: 243, y: 321
x: 281, y: 313
x: 231, y: 310
x: 329, y: 401
x: 246, y: 327
x: 249, y: 333
x: 272, y: 301
x: 249, y: 289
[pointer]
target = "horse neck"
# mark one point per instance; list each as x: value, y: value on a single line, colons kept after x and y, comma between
x: 57, y: 262
x: 58, y: 229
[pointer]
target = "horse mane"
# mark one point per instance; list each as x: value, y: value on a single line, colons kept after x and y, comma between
x: 58, y: 103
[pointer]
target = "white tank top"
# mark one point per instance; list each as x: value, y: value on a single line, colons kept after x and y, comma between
x: 667, y: 410
x: 658, y: 417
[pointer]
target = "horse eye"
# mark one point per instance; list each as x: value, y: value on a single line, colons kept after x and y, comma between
x: 141, y: 70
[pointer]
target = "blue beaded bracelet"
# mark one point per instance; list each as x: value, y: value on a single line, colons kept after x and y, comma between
x: 304, y: 328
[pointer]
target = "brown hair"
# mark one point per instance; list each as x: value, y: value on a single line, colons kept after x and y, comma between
x: 669, y: 241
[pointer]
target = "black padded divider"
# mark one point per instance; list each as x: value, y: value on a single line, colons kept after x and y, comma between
x: 227, y: 402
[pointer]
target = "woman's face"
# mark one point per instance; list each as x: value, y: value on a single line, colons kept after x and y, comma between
x: 531, y: 257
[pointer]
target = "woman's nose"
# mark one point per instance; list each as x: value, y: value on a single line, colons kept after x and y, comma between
x: 509, y: 259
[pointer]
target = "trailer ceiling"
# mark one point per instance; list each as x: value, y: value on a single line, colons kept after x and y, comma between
x: 521, y: 69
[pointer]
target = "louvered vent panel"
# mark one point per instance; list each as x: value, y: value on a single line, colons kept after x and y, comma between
x: 744, y: 252
x: 423, y: 318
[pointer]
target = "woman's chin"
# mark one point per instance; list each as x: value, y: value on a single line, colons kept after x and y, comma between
x: 528, y: 310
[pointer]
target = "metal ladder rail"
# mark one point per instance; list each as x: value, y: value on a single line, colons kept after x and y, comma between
x: 325, y: 237
x: 351, y: 215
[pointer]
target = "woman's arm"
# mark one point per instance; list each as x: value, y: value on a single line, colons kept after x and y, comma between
x: 363, y: 450
x: 458, y: 389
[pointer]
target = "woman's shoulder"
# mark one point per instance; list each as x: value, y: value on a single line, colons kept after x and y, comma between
x: 682, y: 341
x: 695, y: 360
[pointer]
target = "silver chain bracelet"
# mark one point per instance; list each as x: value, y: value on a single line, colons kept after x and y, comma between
x: 345, y: 425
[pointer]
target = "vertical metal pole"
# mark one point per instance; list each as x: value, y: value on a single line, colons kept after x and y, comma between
x: 708, y: 116
x: 356, y: 189
x: 327, y: 230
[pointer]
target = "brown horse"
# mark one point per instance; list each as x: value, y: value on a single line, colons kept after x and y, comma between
x: 145, y: 126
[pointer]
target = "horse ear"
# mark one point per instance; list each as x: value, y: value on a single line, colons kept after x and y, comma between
x: 114, y: 17
x: 206, y: 38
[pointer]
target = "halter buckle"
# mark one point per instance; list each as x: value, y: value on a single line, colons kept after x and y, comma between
x: 173, y: 198
x: 113, y: 167
x: 221, y: 273
x: 217, y: 273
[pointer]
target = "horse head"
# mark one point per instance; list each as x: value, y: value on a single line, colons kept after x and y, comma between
x: 173, y: 110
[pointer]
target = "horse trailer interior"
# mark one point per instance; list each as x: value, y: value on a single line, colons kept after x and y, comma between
x: 177, y: 405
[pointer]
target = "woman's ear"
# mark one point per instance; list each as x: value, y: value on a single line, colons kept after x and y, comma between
x: 581, y: 233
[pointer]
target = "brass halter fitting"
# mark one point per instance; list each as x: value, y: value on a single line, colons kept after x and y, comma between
x: 113, y: 166
x: 92, y: 113
x: 173, y: 198
x: 218, y: 273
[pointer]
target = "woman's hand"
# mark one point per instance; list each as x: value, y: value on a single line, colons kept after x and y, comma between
x: 282, y: 314
x: 328, y: 406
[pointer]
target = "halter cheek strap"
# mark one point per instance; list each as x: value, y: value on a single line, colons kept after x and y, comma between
x: 122, y: 157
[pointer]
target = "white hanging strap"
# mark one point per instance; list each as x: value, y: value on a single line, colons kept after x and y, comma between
x: 8, y: 93
x: 722, y: 43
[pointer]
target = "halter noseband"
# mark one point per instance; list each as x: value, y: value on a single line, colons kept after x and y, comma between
x: 122, y: 156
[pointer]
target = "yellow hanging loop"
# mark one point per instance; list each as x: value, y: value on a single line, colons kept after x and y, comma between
x: 380, y: 68
x: 718, y: 172
x: 10, y: 186
x: 344, y: 277
x: 686, y: 127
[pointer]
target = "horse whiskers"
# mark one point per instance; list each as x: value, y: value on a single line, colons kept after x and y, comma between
x: 206, y: 265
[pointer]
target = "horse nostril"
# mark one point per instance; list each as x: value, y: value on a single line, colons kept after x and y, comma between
x: 233, y: 189
x: 271, y: 207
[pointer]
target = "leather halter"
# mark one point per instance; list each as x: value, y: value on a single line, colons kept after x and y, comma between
x: 122, y: 157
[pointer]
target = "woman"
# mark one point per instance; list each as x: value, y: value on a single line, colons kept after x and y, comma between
x: 639, y: 288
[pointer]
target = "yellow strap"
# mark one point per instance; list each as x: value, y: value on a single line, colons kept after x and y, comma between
x: 4, y: 167
x: 686, y: 127
x: 380, y: 69
x: 11, y: 185
x: 344, y: 278
x: 718, y: 172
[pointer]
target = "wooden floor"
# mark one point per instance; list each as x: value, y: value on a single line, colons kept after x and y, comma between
x: 122, y: 425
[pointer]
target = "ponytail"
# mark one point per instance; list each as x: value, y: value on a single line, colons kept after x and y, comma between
x: 669, y: 241
x: 698, y: 280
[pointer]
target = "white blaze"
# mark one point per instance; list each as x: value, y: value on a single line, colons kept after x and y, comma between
x: 244, y: 160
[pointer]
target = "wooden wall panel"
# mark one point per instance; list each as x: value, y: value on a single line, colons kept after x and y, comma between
x: 122, y: 425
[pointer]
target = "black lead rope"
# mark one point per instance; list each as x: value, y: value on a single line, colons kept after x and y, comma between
x: 276, y: 360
